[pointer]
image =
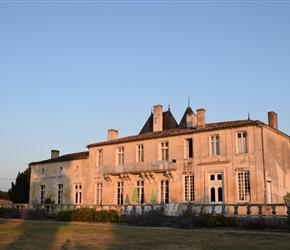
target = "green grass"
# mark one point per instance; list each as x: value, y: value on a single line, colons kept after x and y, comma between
x: 16, y: 234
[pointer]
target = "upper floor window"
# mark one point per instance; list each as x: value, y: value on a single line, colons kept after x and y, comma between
x: 42, y: 194
x: 242, y: 142
x: 100, y: 157
x: 188, y: 148
x: 164, y: 151
x: 215, y: 145
x: 121, y: 156
x: 140, y: 153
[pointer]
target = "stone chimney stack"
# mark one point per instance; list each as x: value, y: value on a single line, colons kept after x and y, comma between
x: 273, y: 119
x: 200, y: 118
x: 113, y: 134
x: 157, y: 118
x: 54, y: 153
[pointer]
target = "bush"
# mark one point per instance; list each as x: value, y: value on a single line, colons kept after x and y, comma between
x: 187, y: 220
x: 3, y: 211
x: 106, y: 216
x: 209, y: 220
x: 13, y: 213
x: 153, y: 218
x: 33, y: 214
x: 64, y: 215
x: 83, y: 214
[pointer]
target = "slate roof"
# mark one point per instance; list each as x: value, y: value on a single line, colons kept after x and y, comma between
x: 179, y: 131
x: 183, y: 123
x: 67, y: 157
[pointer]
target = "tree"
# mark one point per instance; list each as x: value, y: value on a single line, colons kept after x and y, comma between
x: 4, y: 195
x: 19, y: 192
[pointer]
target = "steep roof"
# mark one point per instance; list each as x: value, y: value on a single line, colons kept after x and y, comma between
x: 182, y: 123
x: 169, y: 122
x: 179, y: 131
x: 67, y: 157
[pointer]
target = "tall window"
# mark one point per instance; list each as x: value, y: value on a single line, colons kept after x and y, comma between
x: 121, y: 156
x: 140, y: 153
x: 189, y: 188
x: 59, y: 193
x: 120, y: 192
x: 100, y: 157
x: 42, y: 194
x: 215, y: 147
x: 188, y: 148
x: 164, y: 151
x: 242, y: 142
x: 244, y: 186
x: 140, y: 189
x: 78, y: 194
x: 99, y: 193
x: 164, y: 188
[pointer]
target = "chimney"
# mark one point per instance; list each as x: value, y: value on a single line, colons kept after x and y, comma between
x: 200, y: 118
x: 112, y: 134
x: 273, y: 119
x: 54, y: 153
x: 157, y: 118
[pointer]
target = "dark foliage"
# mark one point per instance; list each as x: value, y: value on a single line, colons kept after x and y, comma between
x: 106, y: 216
x: 64, y: 215
x: 4, y: 195
x: 83, y: 214
x: 261, y: 223
x: 3, y: 211
x: 153, y: 218
x: 187, y: 220
x: 19, y: 192
x: 209, y: 220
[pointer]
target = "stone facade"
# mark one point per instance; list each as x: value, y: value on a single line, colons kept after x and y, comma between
x: 235, y: 162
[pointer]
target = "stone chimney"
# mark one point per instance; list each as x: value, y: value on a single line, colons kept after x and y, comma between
x: 54, y: 153
x: 113, y: 134
x: 157, y: 118
x: 273, y: 119
x: 200, y: 118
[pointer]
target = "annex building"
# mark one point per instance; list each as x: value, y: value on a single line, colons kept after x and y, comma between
x: 231, y: 162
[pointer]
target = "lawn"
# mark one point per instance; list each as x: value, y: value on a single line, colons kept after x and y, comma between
x: 16, y: 234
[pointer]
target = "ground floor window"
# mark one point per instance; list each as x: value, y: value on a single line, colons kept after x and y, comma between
x: 60, y: 194
x: 78, y: 194
x: 244, y: 191
x: 140, y: 190
x: 99, y: 193
x: 120, y: 192
x: 189, y: 188
x: 42, y: 194
x: 164, y: 191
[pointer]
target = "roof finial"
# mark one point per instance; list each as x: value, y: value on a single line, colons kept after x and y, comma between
x: 188, y: 101
x: 168, y: 106
x: 249, y: 116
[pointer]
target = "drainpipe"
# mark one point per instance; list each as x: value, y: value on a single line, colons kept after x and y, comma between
x: 263, y: 160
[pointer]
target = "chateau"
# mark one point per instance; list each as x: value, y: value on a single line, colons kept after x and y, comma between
x: 231, y: 162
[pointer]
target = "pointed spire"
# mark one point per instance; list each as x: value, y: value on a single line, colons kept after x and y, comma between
x: 249, y: 116
x: 168, y: 106
x: 188, y: 101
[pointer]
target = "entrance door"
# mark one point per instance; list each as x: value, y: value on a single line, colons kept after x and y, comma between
x: 216, y: 190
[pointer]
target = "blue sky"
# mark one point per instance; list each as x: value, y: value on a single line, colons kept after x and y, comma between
x: 71, y: 70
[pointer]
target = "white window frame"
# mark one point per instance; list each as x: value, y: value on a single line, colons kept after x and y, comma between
x: 99, y: 193
x: 140, y: 153
x: 215, y: 145
x: 164, y: 151
x: 121, y: 155
x: 242, y: 144
x: 189, y: 188
x: 244, y: 187
x: 120, y: 192
x: 164, y: 191
x: 42, y: 194
x: 100, y: 157
x: 78, y: 193
x: 60, y: 194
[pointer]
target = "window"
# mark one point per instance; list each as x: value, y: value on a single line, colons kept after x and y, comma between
x: 189, y: 188
x: 42, y: 194
x: 164, y: 187
x: 78, y: 194
x: 140, y: 153
x: 140, y: 190
x: 59, y: 193
x: 244, y: 186
x: 99, y: 193
x: 214, y: 143
x: 100, y: 157
x: 164, y: 151
x: 121, y: 156
x: 120, y: 192
x: 188, y: 148
x: 242, y: 142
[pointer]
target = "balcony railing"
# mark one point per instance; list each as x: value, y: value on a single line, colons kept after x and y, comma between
x: 156, y: 166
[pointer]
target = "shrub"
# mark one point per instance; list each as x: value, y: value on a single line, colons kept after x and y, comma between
x: 3, y: 211
x: 209, y: 220
x: 33, y: 214
x: 153, y: 218
x: 64, y: 215
x: 83, y: 214
x: 106, y: 216
x: 13, y: 213
x: 187, y: 220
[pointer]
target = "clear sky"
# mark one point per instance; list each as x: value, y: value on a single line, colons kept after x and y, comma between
x: 71, y: 70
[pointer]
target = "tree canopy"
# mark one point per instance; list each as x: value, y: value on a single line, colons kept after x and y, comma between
x: 19, y: 192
